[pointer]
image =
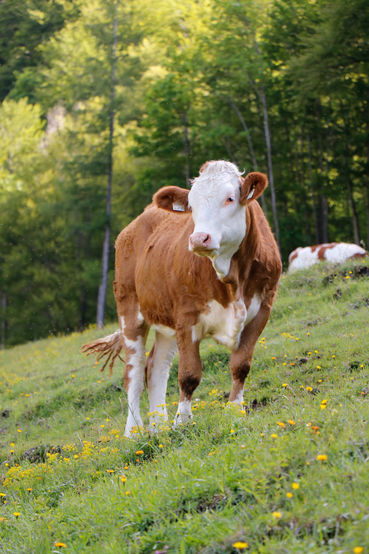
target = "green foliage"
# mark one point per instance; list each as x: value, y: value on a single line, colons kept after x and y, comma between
x: 193, y: 82
x: 288, y: 473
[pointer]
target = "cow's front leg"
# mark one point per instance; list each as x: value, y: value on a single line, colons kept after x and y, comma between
x: 241, y: 358
x: 189, y: 374
x: 158, y: 367
x: 134, y: 376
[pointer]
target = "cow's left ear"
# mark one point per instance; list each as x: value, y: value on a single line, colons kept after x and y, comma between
x: 172, y: 199
x: 252, y: 186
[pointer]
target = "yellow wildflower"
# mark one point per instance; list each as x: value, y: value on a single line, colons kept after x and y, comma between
x: 16, y: 514
x: 289, y: 494
x: 240, y: 545
x: 60, y: 545
x: 274, y: 436
x: 322, y: 457
x: 138, y: 452
x: 281, y: 424
x: 277, y: 515
x: 123, y: 478
x: 295, y: 486
x: 291, y: 421
x: 358, y: 550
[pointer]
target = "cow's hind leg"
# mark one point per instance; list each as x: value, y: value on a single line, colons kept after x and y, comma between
x: 158, y: 367
x: 134, y: 337
x: 189, y: 374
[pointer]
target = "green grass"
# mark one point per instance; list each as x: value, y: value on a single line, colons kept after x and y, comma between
x: 250, y: 476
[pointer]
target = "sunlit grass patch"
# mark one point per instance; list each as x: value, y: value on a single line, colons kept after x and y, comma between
x: 285, y: 472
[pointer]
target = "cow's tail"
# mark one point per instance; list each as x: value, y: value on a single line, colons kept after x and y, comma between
x: 109, y: 348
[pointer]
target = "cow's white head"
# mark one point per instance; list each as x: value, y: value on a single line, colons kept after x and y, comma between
x: 218, y: 200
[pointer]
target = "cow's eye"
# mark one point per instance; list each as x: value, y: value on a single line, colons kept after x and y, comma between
x: 229, y: 200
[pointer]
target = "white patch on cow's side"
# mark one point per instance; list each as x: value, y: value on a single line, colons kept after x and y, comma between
x: 304, y: 259
x: 224, y: 222
x: 164, y: 330
x: 223, y: 324
x: 165, y: 349
x: 184, y: 413
x: 341, y: 251
x: 136, y: 359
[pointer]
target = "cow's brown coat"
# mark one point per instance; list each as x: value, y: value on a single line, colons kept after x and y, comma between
x: 157, y: 277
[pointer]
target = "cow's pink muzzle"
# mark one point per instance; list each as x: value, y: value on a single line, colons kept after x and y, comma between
x: 200, y: 242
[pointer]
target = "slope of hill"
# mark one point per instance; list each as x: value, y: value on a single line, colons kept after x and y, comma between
x: 287, y: 473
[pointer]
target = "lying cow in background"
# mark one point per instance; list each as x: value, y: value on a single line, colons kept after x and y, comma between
x: 334, y: 252
x: 195, y: 264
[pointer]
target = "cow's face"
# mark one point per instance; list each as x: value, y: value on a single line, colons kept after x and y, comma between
x: 217, y: 200
x: 218, y: 215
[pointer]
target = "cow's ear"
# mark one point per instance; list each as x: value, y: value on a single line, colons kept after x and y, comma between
x: 252, y: 186
x: 172, y: 199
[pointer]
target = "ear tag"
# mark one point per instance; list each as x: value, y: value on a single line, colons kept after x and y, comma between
x: 177, y: 207
x: 251, y: 194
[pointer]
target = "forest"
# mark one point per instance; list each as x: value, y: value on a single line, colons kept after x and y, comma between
x: 105, y: 101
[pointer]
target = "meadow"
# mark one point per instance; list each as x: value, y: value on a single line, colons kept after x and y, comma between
x: 286, y: 473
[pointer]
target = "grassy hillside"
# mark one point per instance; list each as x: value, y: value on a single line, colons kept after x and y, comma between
x: 287, y: 473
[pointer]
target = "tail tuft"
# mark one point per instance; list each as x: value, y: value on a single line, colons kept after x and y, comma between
x: 109, y: 347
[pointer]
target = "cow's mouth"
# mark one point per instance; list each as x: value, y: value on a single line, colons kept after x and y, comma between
x: 203, y: 251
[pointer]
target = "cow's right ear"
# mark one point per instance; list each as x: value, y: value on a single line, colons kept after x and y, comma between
x: 172, y: 199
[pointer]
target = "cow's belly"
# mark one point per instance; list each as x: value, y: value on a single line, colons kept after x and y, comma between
x: 225, y: 325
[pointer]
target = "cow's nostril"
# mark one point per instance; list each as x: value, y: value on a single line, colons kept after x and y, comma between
x: 200, y: 240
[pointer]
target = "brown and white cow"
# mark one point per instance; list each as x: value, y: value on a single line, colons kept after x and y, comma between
x: 195, y: 264
x: 334, y: 252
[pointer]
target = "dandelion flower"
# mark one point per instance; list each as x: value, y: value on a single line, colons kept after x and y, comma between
x: 60, y: 544
x: 358, y: 549
x: 322, y: 457
x: 240, y: 545
x: 295, y: 486
x: 138, y: 452
x: 289, y: 494
x: 274, y: 436
x: 281, y: 424
x: 291, y: 421
x: 277, y: 515
x: 123, y: 478
x: 16, y: 514
x: 110, y: 470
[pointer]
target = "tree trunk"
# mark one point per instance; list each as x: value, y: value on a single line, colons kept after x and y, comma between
x: 3, y: 320
x: 250, y: 145
x: 312, y: 191
x: 106, y: 244
x: 186, y: 148
x: 322, y: 200
x: 355, y: 219
x: 270, y: 164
